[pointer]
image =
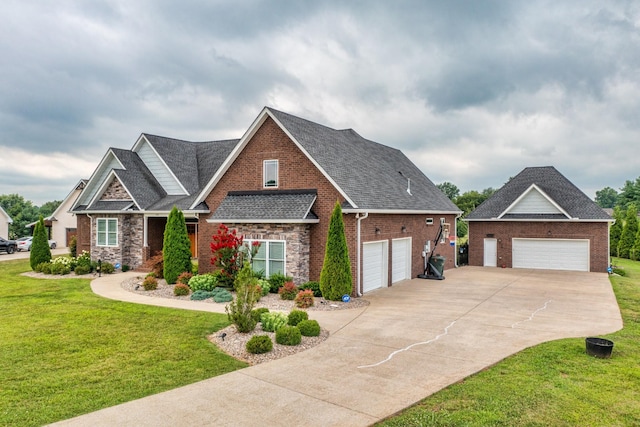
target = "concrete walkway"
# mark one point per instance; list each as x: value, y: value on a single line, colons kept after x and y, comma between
x: 414, y: 339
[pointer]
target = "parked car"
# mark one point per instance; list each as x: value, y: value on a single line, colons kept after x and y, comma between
x: 8, y: 246
x: 24, y: 243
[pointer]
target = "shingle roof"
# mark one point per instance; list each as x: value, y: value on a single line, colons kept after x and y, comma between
x: 256, y: 206
x: 564, y: 193
x: 373, y: 175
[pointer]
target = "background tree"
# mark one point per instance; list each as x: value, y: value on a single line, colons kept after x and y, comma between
x: 616, y: 231
x: 607, y: 197
x: 50, y: 207
x: 470, y: 200
x: 176, y: 246
x: 21, y: 211
x: 629, y: 232
x: 449, y: 189
x: 635, y: 250
x: 40, y: 251
x: 335, y: 277
x: 630, y: 193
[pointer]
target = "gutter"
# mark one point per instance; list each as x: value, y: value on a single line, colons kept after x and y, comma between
x: 358, y: 275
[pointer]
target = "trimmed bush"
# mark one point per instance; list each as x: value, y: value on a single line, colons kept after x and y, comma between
x: 150, y: 283
x: 180, y: 289
x: 61, y: 269
x: 313, y: 286
x: 40, y: 250
x: 184, y: 278
x: 222, y: 295
x: 288, y: 291
x: 156, y: 264
x: 201, y: 295
x: 309, y: 328
x: 277, y: 280
x: 265, y: 286
x: 108, y: 268
x: 125, y: 268
x: 203, y: 282
x: 271, y: 321
x: 44, y: 267
x: 288, y: 335
x: 305, y: 299
x: 82, y: 269
x: 73, y: 245
x: 259, y: 344
x: 297, y: 316
x: 256, y: 313
x: 84, y: 260
x: 176, y: 246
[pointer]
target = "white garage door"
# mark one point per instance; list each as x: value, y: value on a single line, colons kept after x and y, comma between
x: 400, y: 259
x: 374, y: 266
x: 551, y: 254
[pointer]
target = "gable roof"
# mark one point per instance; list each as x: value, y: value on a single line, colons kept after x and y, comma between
x: 539, y: 194
x: 370, y: 176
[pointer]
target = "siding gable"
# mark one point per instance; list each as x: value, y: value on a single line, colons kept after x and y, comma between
x: 534, y: 201
x: 159, y: 169
x: 110, y: 162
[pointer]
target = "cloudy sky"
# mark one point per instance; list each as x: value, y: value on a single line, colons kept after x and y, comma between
x: 471, y: 91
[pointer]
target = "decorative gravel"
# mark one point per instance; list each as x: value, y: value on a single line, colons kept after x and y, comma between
x: 234, y: 343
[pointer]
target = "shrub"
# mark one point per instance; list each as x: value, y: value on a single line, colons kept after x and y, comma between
x: 181, y: 289
x: 59, y: 269
x: 271, y: 321
x: 150, y: 283
x: 256, y: 313
x: 239, y: 311
x: 277, y: 280
x: 619, y: 272
x: 305, y: 299
x: 259, y: 344
x: 264, y: 286
x: 202, y: 282
x: 125, y: 268
x: 183, y: 278
x: 73, y: 245
x: 297, y: 316
x: 288, y: 291
x: 176, y: 246
x: 335, y: 276
x: 44, y: 267
x: 629, y: 231
x: 201, y: 295
x: 82, y: 269
x: 222, y: 295
x: 84, y: 260
x: 156, y: 265
x: 309, y: 328
x: 288, y: 335
x: 40, y: 250
x: 107, y: 268
x: 225, y: 247
x: 313, y: 286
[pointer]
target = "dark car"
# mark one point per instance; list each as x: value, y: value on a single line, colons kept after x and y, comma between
x: 8, y: 246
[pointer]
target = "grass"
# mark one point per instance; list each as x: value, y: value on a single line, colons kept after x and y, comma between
x: 65, y: 351
x: 552, y: 384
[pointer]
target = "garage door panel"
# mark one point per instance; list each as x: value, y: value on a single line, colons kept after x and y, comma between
x: 400, y: 260
x: 374, y: 266
x: 551, y: 254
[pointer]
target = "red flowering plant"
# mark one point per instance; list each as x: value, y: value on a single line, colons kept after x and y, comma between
x: 226, y: 247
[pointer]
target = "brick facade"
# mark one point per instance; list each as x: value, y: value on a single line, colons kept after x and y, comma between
x: 503, y: 231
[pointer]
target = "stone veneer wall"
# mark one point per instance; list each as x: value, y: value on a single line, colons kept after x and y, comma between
x: 130, y: 240
x: 297, y: 238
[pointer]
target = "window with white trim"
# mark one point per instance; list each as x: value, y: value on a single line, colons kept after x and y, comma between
x: 270, y: 257
x: 107, y: 230
x: 270, y: 173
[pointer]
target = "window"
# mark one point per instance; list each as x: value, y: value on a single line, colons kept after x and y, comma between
x: 107, y: 231
x: 270, y: 257
x: 270, y: 173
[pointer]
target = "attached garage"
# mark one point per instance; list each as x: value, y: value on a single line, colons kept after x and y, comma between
x: 551, y: 254
x: 374, y: 265
x: 400, y: 259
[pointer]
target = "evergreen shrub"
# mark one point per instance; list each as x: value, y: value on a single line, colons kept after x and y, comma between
x: 259, y: 344
x: 288, y: 335
x: 309, y: 328
x: 271, y: 321
x: 297, y: 316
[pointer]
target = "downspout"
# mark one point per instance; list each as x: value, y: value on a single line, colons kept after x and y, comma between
x: 359, y: 279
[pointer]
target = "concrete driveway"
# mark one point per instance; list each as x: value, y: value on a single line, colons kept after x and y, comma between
x: 414, y: 339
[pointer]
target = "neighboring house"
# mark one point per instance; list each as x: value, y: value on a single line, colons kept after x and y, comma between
x: 61, y: 225
x: 278, y: 184
x: 5, y: 220
x: 539, y: 219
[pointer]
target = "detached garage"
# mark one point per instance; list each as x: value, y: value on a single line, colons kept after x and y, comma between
x: 540, y: 220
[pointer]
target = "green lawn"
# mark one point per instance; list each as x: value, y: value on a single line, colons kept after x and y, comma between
x: 65, y: 351
x: 553, y: 384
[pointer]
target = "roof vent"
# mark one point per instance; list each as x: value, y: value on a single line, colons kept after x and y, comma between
x: 408, y: 183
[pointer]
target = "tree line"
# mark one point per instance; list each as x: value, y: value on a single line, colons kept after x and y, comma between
x: 24, y: 212
x: 466, y: 201
x: 629, y: 193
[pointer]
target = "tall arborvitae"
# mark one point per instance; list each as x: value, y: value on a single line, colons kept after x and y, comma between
x: 616, y: 231
x: 335, y: 277
x: 176, y: 246
x: 629, y: 232
x: 40, y: 250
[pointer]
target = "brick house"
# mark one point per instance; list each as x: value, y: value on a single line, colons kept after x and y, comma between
x: 539, y: 219
x: 278, y: 184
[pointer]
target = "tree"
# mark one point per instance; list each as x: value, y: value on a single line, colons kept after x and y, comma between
x: 462, y: 228
x: 176, y: 246
x: 40, y: 251
x: 607, y: 197
x: 629, y: 232
x: 226, y: 248
x: 21, y: 211
x: 335, y: 277
x: 469, y: 200
x: 630, y: 193
x: 449, y: 189
x: 635, y: 250
x: 615, y: 231
x: 49, y: 208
